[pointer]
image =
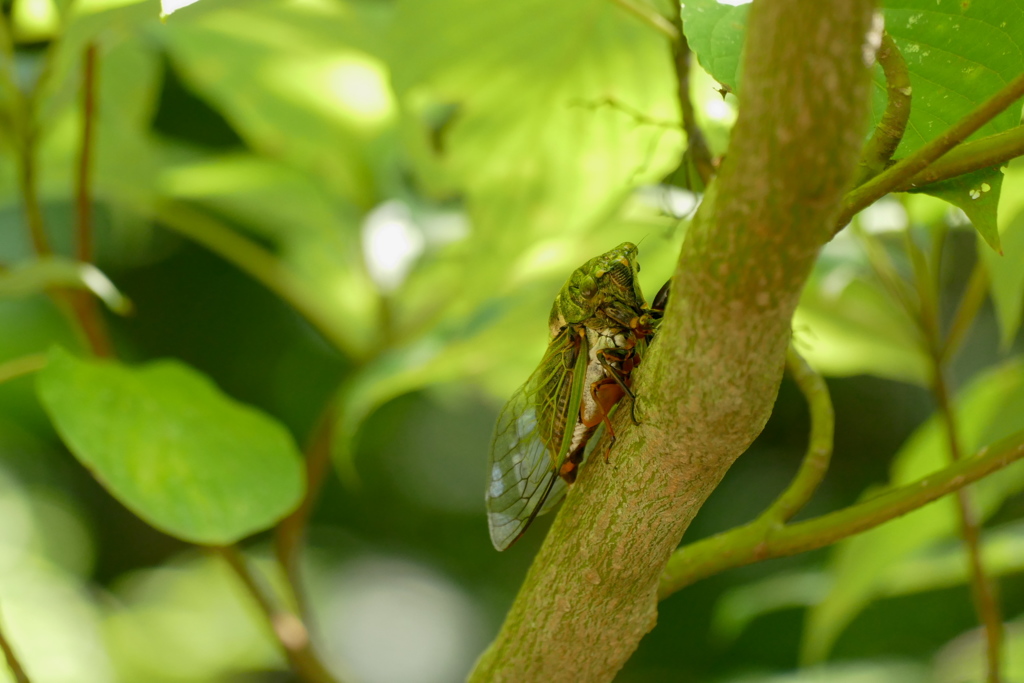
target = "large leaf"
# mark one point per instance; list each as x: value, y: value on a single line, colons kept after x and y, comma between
x: 543, y: 115
x: 992, y: 407
x: 174, y: 449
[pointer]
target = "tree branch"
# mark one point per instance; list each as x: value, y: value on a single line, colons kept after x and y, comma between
x: 713, y: 372
x: 901, y: 173
x: 758, y: 541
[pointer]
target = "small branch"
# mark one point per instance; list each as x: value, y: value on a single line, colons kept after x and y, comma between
x: 889, y: 130
x: 819, y: 447
x: 757, y: 541
x: 258, y: 263
x: 970, y: 156
x: 12, y: 660
x: 19, y: 367
x: 696, y: 144
x: 291, y: 532
x: 897, y: 175
x: 289, y: 631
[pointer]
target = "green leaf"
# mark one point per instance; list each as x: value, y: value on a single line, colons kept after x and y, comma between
x: 543, y: 115
x: 172, y: 448
x: 1006, y: 270
x: 847, y: 324
x: 44, y: 273
x: 958, y: 54
x: 977, y: 194
x: 991, y: 408
x: 715, y: 34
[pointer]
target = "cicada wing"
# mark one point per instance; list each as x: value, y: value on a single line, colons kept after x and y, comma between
x: 528, y: 447
x: 522, y: 475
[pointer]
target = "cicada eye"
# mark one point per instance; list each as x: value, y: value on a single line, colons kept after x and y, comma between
x: 588, y: 287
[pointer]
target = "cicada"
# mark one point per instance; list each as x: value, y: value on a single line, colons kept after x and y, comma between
x: 599, y: 327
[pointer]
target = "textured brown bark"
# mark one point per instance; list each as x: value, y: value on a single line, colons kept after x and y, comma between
x: 711, y: 378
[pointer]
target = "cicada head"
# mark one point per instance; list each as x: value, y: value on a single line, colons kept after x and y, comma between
x: 610, y: 278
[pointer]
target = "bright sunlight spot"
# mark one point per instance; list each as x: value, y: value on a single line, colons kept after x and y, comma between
x: 885, y: 215
x: 391, y: 620
x: 391, y: 244
x: 169, y: 6
x: 351, y: 85
x: 34, y: 19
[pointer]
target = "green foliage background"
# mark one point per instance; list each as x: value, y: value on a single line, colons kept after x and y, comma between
x: 248, y: 156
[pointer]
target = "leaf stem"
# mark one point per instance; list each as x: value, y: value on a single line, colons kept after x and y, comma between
x: 288, y: 629
x: 17, y: 670
x: 819, y: 446
x: 648, y: 15
x: 898, y: 174
x: 971, y: 301
x: 760, y: 541
x: 889, y: 130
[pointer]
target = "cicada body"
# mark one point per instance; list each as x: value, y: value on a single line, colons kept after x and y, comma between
x: 599, y: 326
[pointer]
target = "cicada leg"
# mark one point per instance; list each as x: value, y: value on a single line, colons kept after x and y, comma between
x: 627, y: 361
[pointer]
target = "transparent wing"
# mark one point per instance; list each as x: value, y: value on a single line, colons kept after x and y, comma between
x: 526, y: 450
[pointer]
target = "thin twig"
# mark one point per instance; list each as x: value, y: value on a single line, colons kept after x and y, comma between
x: 289, y: 631
x: 890, y: 128
x: 900, y: 173
x: 759, y: 541
x: 983, y: 588
x: 12, y: 660
x: 819, y: 446
x: 83, y: 304
x: 696, y: 144
x: 290, y: 534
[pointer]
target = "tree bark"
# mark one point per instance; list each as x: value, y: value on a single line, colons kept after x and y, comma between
x: 709, y: 381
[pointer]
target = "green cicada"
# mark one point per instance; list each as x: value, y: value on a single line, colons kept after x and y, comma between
x: 600, y: 326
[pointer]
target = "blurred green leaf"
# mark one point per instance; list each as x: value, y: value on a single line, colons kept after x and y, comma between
x: 543, y: 115
x: 1006, y: 270
x: 45, y: 273
x: 847, y: 324
x: 170, y: 446
x: 847, y: 672
x: 990, y: 408
x: 294, y: 88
